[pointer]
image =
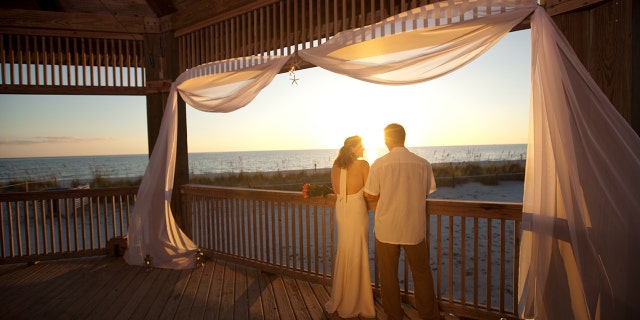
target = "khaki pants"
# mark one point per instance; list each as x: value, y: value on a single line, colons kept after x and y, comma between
x: 418, y: 257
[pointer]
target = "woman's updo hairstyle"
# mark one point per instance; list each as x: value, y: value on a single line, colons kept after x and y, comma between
x: 346, y: 155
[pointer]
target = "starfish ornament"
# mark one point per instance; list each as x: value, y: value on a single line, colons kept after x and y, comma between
x: 294, y: 79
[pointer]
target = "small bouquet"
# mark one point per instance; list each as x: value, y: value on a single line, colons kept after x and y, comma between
x: 312, y: 190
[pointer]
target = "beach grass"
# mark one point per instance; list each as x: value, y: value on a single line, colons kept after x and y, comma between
x: 487, y: 172
x: 279, y: 180
x: 447, y: 175
x: 101, y: 181
x: 15, y: 185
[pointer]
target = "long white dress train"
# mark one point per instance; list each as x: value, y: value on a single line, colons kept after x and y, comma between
x: 351, y: 292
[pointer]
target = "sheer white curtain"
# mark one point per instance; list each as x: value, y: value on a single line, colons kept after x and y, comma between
x: 153, y: 233
x: 583, y: 160
x: 420, y: 44
x: 582, y: 210
x: 215, y: 87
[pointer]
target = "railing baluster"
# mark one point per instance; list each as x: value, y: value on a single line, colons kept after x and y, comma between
x: 463, y: 259
x: 439, y: 256
x: 502, y: 265
x: 276, y: 240
x: 27, y: 231
x: 277, y: 231
x: 11, y: 233
x: 316, y: 244
x: 489, y: 259
x: 450, y: 263
x: 36, y: 227
x: 70, y: 205
x: 253, y: 232
x: 304, y: 239
x: 286, y: 224
x: 52, y: 224
x: 476, y: 271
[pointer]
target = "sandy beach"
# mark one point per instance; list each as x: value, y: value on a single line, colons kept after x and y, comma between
x: 505, y: 191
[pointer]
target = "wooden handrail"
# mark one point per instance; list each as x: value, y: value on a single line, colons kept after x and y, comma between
x: 49, y: 225
x: 474, y: 245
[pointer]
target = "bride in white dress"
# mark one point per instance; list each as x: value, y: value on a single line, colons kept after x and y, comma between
x: 351, y: 292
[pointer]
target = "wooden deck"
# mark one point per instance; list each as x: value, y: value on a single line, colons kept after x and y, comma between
x: 109, y: 288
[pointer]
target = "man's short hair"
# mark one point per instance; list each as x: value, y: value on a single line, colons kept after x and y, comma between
x: 395, y: 132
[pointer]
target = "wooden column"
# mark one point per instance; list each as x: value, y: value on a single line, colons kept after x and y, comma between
x: 635, y: 67
x: 161, y: 64
x: 604, y: 36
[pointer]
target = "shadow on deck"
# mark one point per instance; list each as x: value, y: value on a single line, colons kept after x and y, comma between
x: 109, y: 288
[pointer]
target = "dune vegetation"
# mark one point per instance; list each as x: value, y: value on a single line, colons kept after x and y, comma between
x: 447, y: 174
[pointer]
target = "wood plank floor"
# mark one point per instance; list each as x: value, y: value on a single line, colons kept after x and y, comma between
x: 108, y: 288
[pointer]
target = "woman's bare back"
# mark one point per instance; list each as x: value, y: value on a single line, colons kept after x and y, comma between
x: 357, y: 173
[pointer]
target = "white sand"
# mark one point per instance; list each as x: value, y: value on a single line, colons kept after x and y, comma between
x: 505, y: 191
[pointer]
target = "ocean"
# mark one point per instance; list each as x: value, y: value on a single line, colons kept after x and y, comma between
x: 84, y: 168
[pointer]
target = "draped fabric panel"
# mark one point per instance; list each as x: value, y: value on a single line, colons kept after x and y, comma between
x: 420, y: 44
x: 581, y: 204
x: 225, y: 86
x: 153, y: 233
x: 583, y: 160
x: 216, y: 87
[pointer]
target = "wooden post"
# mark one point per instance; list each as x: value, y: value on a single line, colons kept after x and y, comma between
x: 609, y: 50
x: 161, y: 65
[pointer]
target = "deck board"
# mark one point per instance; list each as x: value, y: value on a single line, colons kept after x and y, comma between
x: 292, y: 291
x: 215, y: 290
x: 314, y: 306
x: 254, y: 294
x: 241, y: 302
x: 228, y: 293
x: 199, y: 306
x: 156, y: 303
x: 108, y: 288
x: 269, y: 305
x: 50, y: 302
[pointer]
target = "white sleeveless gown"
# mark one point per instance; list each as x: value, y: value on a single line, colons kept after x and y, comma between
x: 351, y: 293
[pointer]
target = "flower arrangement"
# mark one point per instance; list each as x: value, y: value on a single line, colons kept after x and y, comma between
x: 312, y: 190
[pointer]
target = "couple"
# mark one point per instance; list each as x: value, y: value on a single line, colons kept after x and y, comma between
x: 400, y: 181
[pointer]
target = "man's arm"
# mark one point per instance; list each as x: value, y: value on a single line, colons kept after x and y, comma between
x: 370, y: 196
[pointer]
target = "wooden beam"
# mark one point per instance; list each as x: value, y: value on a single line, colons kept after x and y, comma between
x: 158, y: 86
x: 205, y: 13
x: 71, y: 33
x: 555, y: 7
x: 72, y: 90
x: 161, y: 7
x: 15, y: 18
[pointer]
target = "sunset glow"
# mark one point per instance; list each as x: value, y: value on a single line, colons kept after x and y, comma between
x: 485, y: 102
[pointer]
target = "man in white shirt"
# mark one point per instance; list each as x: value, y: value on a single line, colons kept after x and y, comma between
x: 401, y: 182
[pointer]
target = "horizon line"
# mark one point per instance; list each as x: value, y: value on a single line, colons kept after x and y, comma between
x: 231, y: 151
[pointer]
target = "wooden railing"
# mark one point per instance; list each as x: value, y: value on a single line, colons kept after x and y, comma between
x: 275, y: 27
x: 276, y: 231
x: 474, y: 245
x: 81, y: 64
x: 61, y: 224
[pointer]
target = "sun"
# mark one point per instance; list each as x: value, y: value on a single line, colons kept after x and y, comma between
x: 373, y: 142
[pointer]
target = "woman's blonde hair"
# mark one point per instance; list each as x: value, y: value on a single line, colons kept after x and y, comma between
x: 346, y: 155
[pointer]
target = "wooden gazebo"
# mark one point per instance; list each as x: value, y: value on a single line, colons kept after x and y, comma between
x: 137, y: 47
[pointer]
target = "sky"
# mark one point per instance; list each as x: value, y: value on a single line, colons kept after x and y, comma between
x: 484, y: 102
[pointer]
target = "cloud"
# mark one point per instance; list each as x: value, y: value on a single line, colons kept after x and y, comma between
x: 48, y: 140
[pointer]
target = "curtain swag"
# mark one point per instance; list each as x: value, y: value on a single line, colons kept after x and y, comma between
x: 581, y: 213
